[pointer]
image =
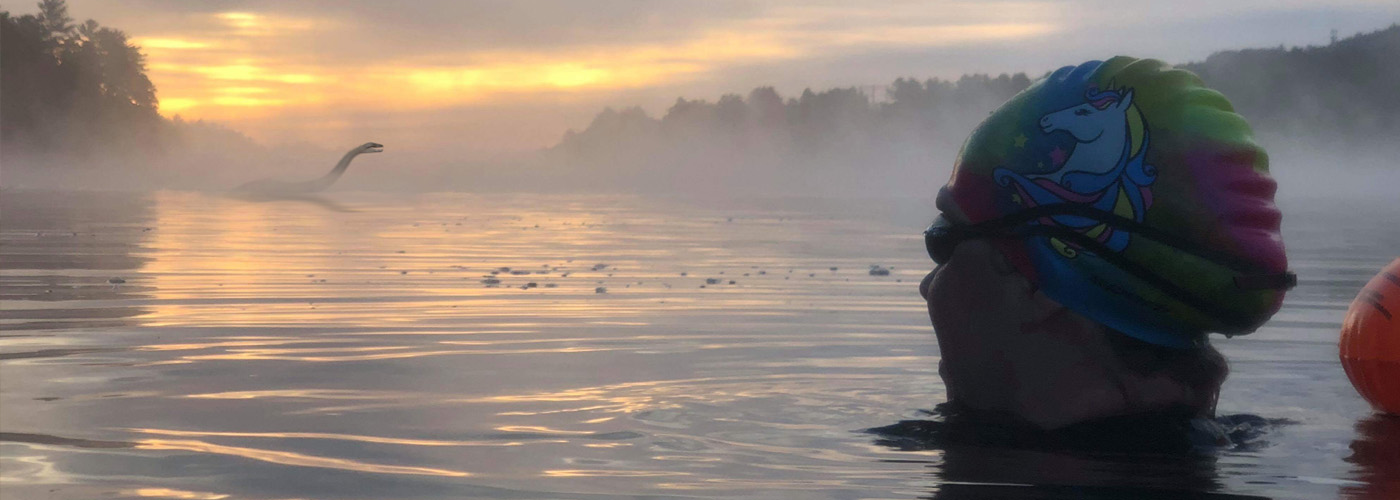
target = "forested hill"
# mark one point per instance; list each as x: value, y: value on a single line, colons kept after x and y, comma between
x: 77, y: 110
x: 837, y: 140
x: 77, y: 88
x: 1348, y: 90
x: 1345, y: 94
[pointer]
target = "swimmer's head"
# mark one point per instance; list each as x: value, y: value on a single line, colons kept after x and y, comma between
x: 1131, y: 194
x: 1007, y: 348
x: 1096, y: 227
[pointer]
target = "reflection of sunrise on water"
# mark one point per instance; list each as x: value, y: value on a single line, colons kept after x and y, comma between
x: 409, y: 365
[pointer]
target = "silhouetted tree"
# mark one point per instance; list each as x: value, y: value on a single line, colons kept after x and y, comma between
x: 58, y: 28
x: 1347, y: 91
x: 74, y: 89
x: 1344, y: 93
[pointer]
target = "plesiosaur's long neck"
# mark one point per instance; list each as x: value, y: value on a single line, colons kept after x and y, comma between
x: 335, y: 173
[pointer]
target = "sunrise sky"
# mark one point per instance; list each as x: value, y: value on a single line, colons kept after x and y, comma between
x: 503, y: 75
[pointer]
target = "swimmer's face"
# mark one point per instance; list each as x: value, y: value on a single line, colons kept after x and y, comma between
x: 1007, y: 347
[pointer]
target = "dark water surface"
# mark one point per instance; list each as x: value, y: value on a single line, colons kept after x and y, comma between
x: 354, y: 349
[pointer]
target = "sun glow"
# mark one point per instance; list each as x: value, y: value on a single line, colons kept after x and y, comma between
x: 291, y: 458
x: 173, y: 493
x: 239, y: 72
x: 169, y: 43
x: 246, y: 68
x: 246, y: 101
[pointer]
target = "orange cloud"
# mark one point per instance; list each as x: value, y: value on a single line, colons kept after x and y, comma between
x: 247, y: 66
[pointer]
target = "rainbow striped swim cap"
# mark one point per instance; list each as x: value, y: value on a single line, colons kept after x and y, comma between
x: 1130, y: 193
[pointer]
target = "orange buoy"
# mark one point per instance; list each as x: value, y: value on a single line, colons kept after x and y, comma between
x: 1370, y: 344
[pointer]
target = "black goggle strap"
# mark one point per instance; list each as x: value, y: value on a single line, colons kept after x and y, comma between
x: 1226, y: 317
x: 1249, y: 276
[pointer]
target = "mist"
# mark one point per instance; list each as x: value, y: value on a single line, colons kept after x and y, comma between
x: 1326, y: 114
x: 836, y: 142
x: 79, y: 113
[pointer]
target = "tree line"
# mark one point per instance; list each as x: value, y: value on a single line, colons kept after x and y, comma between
x: 837, y: 137
x: 79, y: 110
x: 78, y: 92
x: 1345, y: 92
x: 1341, y: 94
x: 73, y: 87
x: 809, y: 123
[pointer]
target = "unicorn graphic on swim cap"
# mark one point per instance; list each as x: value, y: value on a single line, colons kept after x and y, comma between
x: 1104, y: 169
x: 1164, y: 252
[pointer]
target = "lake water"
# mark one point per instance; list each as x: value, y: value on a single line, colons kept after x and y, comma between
x: 190, y: 346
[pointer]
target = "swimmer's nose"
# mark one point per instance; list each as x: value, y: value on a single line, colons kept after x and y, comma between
x: 926, y: 283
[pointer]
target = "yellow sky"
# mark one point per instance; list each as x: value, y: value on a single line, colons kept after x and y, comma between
x: 234, y: 75
x: 331, y: 71
x: 246, y: 68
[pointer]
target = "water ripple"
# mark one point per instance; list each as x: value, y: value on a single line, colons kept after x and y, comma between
x: 534, y: 346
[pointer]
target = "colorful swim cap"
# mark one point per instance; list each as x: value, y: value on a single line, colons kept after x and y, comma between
x: 1134, y: 196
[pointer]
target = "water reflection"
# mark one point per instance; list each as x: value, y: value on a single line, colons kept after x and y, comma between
x: 1376, y: 454
x: 69, y: 259
x: 1143, y: 457
x: 308, y: 199
x: 278, y: 350
x: 272, y: 456
x: 49, y: 353
x: 291, y: 458
x: 173, y: 494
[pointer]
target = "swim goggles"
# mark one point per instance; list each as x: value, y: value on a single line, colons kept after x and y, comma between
x: 943, y: 236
